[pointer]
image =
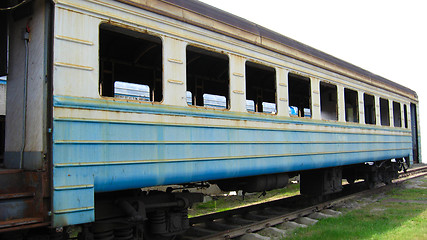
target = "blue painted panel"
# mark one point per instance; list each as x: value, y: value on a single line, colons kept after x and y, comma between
x: 73, y: 218
x: 204, y: 151
x: 94, y: 156
x: 73, y: 198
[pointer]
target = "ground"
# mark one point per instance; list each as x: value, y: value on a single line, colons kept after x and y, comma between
x: 400, y: 213
x: 221, y: 203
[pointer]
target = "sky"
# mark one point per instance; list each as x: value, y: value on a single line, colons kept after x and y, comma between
x: 385, y: 37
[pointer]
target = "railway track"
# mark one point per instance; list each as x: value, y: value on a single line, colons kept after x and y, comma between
x: 276, y: 217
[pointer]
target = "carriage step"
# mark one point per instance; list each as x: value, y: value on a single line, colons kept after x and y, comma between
x: 7, y: 196
x: 19, y: 222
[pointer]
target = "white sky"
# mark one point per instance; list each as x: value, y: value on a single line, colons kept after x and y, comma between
x: 385, y: 37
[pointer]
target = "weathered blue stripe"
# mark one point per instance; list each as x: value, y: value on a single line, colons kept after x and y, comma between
x: 150, y: 108
x: 250, y: 157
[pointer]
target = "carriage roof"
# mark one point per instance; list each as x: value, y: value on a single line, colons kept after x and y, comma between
x: 208, y: 17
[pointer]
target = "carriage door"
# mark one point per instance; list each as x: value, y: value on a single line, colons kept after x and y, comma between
x: 414, y: 126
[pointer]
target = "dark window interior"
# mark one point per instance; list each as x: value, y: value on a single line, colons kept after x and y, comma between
x: 370, y: 117
x: 351, y: 106
x: 207, y: 78
x: 260, y: 88
x: 328, y: 101
x: 384, y: 111
x: 299, y: 94
x: 130, y: 57
x: 397, y: 118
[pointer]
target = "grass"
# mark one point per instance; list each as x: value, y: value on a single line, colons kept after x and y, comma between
x: 400, y: 214
x: 224, y: 203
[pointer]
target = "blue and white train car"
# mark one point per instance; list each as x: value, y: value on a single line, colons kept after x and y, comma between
x: 109, y: 96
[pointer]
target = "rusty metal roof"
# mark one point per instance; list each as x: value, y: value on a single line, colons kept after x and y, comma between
x: 263, y: 33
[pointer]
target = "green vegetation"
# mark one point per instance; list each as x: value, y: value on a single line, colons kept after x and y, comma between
x: 224, y: 203
x: 399, y: 214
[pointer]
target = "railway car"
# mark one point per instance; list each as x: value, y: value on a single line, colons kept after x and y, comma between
x: 106, y: 97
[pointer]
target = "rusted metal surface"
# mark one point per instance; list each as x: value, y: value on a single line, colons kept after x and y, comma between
x: 15, y: 225
x: 23, y: 199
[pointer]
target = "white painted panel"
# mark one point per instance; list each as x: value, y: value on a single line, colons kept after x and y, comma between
x: 174, y: 72
x: 361, y: 107
x: 315, y: 98
x: 76, y: 63
x: 377, y: 111
x: 341, y: 103
x: 237, y: 84
x: 2, y: 99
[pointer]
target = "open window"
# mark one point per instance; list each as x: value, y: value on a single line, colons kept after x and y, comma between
x: 384, y: 112
x: 299, y: 95
x: 207, y: 78
x: 130, y: 64
x: 260, y: 88
x: 397, y: 118
x: 328, y: 101
x: 370, y: 117
x: 351, y: 105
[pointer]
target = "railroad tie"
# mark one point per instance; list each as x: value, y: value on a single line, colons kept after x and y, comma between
x: 331, y: 212
x: 306, y: 221
x: 253, y: 236
x: 273, y: 232
x: 319, y: 215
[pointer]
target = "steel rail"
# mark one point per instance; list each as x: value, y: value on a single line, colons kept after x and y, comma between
x: 272, y: 221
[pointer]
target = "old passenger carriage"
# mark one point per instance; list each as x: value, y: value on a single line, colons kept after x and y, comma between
x: 107, y: 97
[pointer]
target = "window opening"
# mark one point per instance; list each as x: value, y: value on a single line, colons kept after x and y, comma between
x: 405, y: 115
x: 299, y: 95
x: 351, y: 105
x: 397, y: 118
x: 261, y: 87
x: 328, y: 101
x: 370, y: 117
x: 131, y: 64
x: 384, y: 111
x: 207, y: 78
